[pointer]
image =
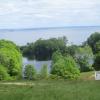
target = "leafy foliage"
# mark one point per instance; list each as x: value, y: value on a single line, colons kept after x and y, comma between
x: 10, y: 58
x: 71, y: 50
x: 43, y: 49
x: 92, y: 40
x: 44, y: 72
x: 3, y: 73
x: 84, y: 57
x: 97, y: 46
x: 64, y: 66
x: 96, y: 64
x: 29, y: 72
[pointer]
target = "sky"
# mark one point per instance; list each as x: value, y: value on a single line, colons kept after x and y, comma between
x: 48, y: 13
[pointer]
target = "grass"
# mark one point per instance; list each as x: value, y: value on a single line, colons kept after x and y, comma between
x: 87, y: 75
x: 52, y: 90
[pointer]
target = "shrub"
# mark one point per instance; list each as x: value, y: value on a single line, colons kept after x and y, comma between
x: 96, y: 64
x: 44, y: 72
x: 55, y: 77
x: 65, y: 67
x: 29, y: 72
x: 84, y: 58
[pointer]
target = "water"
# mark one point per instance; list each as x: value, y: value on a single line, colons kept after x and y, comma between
x: 37, y: 64
x: 75, y: 35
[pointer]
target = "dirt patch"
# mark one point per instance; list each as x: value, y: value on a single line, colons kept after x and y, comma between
x: 18, y: 83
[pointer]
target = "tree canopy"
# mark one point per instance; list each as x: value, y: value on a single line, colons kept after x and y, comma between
x: 10, y: 58
x: 92, y: 40
x: 43, y: 49
x: 29, y: 72
x: 64, y: 66
x: 96, y: 64
x: 84, y: 57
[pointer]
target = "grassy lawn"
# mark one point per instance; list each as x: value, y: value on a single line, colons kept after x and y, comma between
x: 52, y: 90
x: 87, y: 75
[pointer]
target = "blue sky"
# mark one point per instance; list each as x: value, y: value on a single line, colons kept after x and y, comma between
x: 48, y: 13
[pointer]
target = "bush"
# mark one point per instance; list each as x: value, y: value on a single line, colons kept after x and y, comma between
x: 30, y: 72
x: 3, y: 73
x: 44, y: 72
x: 10, y: 58
x: 55, y: 77
x: 96, y: 64
x: 65, y: 67
x: 84, y: 58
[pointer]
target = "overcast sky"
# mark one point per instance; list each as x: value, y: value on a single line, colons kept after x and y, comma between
x: 48, y: 13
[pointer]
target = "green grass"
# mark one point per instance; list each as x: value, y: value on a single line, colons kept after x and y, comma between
x: 52, y: 90
x: 87, y: 75
x: 83, y: 89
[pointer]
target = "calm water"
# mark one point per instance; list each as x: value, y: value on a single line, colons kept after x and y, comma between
x: 37, y: 64
x: 75, y: 35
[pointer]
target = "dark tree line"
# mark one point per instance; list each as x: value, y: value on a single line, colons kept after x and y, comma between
x: 43, y: 49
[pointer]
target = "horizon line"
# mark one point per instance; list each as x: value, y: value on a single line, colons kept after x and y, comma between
x: 36, y: 28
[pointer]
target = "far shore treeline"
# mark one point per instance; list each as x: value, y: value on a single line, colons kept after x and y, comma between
x: 67, y: 60
x: 43, y: 49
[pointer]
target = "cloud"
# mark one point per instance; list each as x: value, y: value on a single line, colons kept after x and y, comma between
x: 38, y: 13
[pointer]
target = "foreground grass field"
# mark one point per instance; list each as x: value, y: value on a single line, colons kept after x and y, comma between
x: 51, y: 90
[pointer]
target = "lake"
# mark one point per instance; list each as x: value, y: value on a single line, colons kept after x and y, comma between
x: 75, y: 35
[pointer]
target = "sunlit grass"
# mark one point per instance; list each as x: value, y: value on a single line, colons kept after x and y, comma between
x: 52, y: 90
x: 87, y: 75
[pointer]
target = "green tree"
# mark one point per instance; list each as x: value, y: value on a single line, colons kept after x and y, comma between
x: 56, y: 56
x: 97, y: 46
x: 10, y: 58
x: 84, y: 57
x: 96, y: 64
x: 92, y: 40
x: 72, y: 50
x: 28, y: 50
x: 43, y: 49
x: 30, y: 72
x: 65, y: 67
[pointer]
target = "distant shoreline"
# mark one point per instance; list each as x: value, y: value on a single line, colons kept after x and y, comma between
x: 44, y: 28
